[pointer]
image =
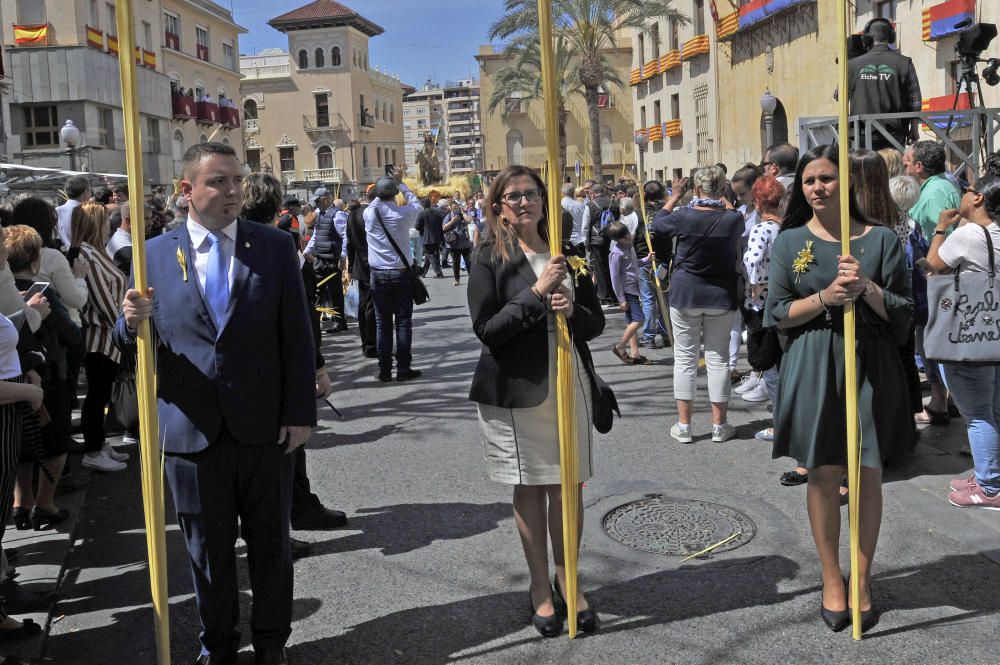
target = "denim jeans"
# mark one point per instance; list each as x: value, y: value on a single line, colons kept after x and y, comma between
x: 930, y: 367
x: 392, y: 292
x: 647, y: 298
x: 976, y: 390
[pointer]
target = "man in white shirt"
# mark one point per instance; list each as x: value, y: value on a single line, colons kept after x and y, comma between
x: 576, y: 209
x: 387, y: 226
x: 78, y: 191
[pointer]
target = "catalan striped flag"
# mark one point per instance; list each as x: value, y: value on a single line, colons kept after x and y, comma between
x: 940, y: 20
x: 31, y: 35
x: 728, y: 25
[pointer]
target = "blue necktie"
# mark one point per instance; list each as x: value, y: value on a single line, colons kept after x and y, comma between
x: 217, y: 278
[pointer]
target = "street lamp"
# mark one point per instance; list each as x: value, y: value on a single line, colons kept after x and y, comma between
x: 70, y: 135
x: 641, y: 141
x: 768, y: 104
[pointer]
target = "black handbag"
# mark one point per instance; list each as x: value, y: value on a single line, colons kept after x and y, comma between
x: 420, y: 294
x: 763, y: 344
x: 602, y: 398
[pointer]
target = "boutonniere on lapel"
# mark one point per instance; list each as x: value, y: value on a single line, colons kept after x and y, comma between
x: 182, y: 262
x: 578, y: 266
x: 804, y: 259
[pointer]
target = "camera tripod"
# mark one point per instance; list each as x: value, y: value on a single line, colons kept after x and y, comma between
x: 969, y: 81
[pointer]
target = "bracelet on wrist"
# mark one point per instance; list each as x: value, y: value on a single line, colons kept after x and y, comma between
x: 829, y: 317
x: 538, y: 294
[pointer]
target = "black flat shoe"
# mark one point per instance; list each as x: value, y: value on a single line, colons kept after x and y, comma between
x: 319, y: 518
x: 793, y: 478
x: 22, y: 519
x: 550, y: 626
x: 587, y: 620
x: 28, y: 628
x: 41, y: 518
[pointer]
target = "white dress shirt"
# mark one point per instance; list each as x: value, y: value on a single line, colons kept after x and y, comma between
x: 200, y: 246
x: 65, y: 216
x: 576, y: 209
x: 398, y: 220
x: 340, y: 223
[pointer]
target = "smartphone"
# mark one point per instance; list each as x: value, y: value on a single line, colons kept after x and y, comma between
x: 37, y: 287
x: 389, y: 168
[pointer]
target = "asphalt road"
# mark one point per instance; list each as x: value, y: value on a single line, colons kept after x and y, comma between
x: 430, y: 569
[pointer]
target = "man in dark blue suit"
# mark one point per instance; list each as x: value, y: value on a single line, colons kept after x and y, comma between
x: 236, y: 393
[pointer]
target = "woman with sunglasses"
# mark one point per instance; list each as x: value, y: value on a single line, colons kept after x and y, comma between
x: 515, y: 289
x: 974, y: 386
x: 809, y: 283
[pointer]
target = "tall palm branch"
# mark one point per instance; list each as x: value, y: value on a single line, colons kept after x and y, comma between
x: 522, y: 80
x: 589, y: 28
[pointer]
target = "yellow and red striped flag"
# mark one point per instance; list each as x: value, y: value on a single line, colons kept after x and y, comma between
x: 31, y: 35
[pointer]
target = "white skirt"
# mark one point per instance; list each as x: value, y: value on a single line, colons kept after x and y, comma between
x: 521, y: 446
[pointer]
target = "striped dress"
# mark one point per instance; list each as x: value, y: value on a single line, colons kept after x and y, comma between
x: 106, y: 285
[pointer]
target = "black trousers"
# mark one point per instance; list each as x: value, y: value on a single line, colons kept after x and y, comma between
x: 303, y: 498
x: 456, y: 260
x: 331, y: 294
x: 101, y: 372
x: 366, y: 318
x: 599, y: 257
x: 432, y: 259
x: 212, y: 489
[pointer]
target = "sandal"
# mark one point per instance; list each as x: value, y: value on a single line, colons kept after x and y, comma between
x: 621, y: 355
x: 931, y: 417
x: 641, y: 360
x: 793, y: 478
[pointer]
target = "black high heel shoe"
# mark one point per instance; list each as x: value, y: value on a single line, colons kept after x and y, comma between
x: 836, y: 621
x: 21, y: 518
x: 40, y: 517
x: 869, y: 617
x: 587, y: 620
x: 550, y: 626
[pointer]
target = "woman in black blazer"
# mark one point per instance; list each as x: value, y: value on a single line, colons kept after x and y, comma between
x: 514, y: 288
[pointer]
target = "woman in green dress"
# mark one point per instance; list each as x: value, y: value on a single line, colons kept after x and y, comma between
x: 809, y: 284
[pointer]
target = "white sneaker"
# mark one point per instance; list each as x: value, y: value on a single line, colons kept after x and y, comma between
x: 723, y: 432
x: 101, y: 462
x: 129, y: 440
x: 757, y: 394
x: 682, y: 433
x: 114, y: 454
x: 748, y: 382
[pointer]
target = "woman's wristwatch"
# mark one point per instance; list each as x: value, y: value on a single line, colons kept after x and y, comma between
x: 869, y: 289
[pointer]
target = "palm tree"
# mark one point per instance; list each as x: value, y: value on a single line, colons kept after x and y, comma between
x: 588, y: 27
x: 523, y: 81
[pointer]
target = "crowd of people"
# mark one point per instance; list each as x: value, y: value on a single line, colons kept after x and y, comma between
x: 753, y: 258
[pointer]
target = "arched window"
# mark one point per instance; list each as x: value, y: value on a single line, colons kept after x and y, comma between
x: 319, y: 57
x: 202, y: 139
x: 392, y: 113
x: 354, y: 55
x: 225, y: 140
x: 250, y: 109
x: 385, y: 112
x: 364, y: 156
x: 335, y: 56
x: 376, y: 110
x: 324, y: 157
x: 607, y: 148
x: 515, y: 147
x: 303, y: 59
x: 779, y: 127
x: 177, y: 149
x: 393, y: 155
x: 378, y: 156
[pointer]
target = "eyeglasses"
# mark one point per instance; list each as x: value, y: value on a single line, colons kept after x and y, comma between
x: 968, y: 190
x: 765, y: 164
x: 513, y: 198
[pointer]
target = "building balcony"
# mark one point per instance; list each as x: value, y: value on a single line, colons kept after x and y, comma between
x: 288, y: 177
x: 366, y: 120
x: 208, y: 112
x: 650, y: 69
x: 95, y: 38
x: 695, y: 46
x: 172, y: 40
x: 655, y: 133
x: 672, y: 128
x: 635, y: 77
x: 331, y: 176
x: 268, y: 72
x: 250, y: 127
x: 184, y: 106
x: 324, y: 122
x: 670, y: 60
x: 230, y: 116
x: 201, y: 52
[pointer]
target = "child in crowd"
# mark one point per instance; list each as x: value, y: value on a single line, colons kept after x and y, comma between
x: 624, y: 280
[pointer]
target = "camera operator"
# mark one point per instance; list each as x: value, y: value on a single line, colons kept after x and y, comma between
x: 883, y: 80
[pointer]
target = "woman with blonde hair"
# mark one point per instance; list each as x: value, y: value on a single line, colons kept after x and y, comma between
x: 106, y: 285
x: 893, y: 161
x: 515, y: 289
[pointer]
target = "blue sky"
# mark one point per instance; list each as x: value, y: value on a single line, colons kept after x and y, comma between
x: 423, y: 38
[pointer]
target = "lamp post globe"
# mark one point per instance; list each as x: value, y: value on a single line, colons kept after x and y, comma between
x: 70, y: 135
x: 641, y: 141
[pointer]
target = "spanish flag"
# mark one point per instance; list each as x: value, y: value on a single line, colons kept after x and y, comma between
x: 95, y: 38
x: 113, y: 44
x: 149, y: 59
x: 31, y: 35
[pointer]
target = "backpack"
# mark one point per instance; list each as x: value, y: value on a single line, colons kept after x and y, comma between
x: 607, y: 217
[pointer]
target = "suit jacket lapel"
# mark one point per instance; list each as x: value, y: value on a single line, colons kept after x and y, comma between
x: 190, y: 285
x: 241, y: 267
x: 523, y: 267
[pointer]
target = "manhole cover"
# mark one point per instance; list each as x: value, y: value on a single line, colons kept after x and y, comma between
x: 662, y: 525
